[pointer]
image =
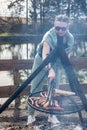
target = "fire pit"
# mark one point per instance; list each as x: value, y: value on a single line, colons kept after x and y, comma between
x: 62, y: 102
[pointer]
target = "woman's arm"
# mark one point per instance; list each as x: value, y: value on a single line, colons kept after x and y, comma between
x: 45, y: 52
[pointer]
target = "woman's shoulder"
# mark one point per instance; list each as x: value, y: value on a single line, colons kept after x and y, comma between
x: 69, y: 34
x: 50, y: 32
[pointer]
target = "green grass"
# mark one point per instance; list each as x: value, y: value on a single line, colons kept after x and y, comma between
x: 17, y: 34
x: 13, y: 34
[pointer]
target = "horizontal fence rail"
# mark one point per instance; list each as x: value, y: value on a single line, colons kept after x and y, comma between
x: 32, y: 38
x: 6, y: 91
x: 16, y: 65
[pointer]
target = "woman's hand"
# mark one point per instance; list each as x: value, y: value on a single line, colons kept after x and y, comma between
x: 51, y: 75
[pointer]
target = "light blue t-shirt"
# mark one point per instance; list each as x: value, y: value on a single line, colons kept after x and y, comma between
x: 51, y: 38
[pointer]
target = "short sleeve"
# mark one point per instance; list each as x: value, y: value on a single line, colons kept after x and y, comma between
x: 47, y: 38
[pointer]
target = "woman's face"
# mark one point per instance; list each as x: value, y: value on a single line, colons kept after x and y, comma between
x: 60, y: 27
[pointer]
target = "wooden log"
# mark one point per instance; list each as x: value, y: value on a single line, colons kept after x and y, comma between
x: 63, y: 92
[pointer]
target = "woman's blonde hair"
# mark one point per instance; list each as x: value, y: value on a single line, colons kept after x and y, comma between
x: 62, y: 18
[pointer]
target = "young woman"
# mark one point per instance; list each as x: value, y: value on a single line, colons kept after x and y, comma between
x: 48, y: 43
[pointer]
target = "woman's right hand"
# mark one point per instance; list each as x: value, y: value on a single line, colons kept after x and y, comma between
x: 51, y: 75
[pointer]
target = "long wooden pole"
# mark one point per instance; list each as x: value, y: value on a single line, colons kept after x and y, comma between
x: 49, y: 58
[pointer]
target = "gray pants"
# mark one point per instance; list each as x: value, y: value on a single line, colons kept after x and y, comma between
x: 37, y: 84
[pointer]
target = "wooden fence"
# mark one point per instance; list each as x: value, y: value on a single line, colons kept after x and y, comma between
x: 15, y: 65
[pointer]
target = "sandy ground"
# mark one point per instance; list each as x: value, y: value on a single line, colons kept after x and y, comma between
x: 8, y: 121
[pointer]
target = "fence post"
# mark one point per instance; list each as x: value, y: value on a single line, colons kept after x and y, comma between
x: 16, y: 77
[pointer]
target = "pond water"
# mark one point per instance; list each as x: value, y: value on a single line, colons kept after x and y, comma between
x: 23, y: 51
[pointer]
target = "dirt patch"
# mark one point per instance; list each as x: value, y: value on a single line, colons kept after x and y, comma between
x: 8, y: 121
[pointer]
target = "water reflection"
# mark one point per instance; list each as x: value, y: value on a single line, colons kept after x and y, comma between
x: 23, y: 51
